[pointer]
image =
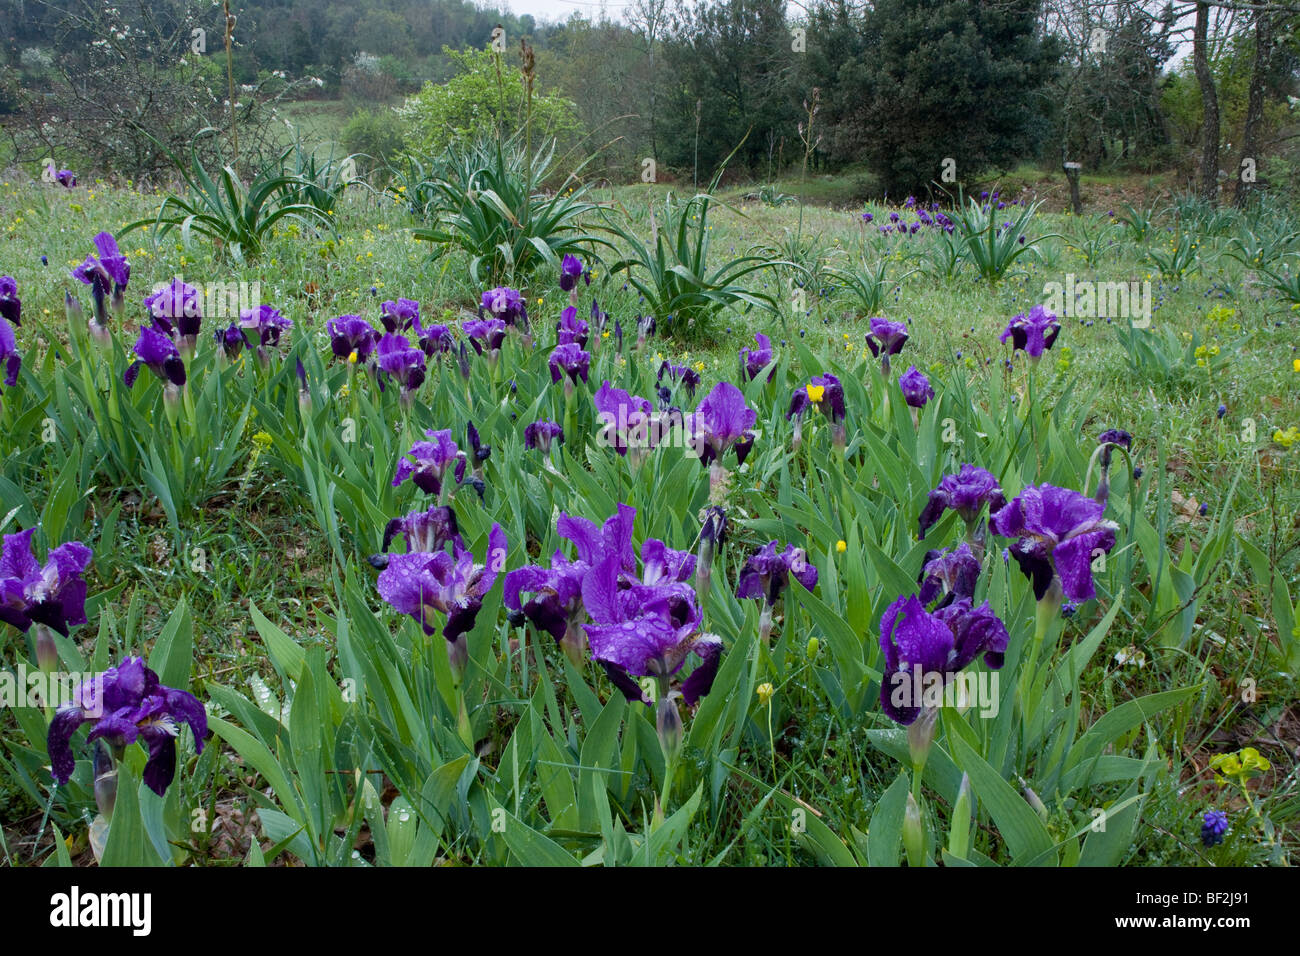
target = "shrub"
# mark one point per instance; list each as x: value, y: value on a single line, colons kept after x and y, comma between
x: 481, y: 97
x: 375, y: 136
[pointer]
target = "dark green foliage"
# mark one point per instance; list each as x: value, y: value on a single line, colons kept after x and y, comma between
x: 913, y: 82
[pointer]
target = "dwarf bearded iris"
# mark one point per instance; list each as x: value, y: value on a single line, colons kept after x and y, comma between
x: 1058, y: 532
x: 886, y: 338
x: 53, y: 594
x: 9, y: 355
x: 570, y: 272
x: 915, y: 387
x: 11, y: 307
x: 427, y: 462
x: 177, y: 309
x: 966, y: 493
x: 571, y: 361
x: 826, y: 394
x: 766, y: 575
x: 1032, y: 333
x: 554, y: 604
x: 127, y: 703
x: 571, y: 329
x: 453, y: 585
x: 723, y: 421
x: 641, y: 629
x: 268, y: 323
x: 155, y: 350
x: 401, y: 361
x: 107, y: 275
x: 624, y: 418
x: 753, y: 361
x: 399, y: 315
x: 924, y: 650
x: 352, y: 338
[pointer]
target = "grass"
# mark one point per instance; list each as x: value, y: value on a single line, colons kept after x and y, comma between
x: 259, y: 549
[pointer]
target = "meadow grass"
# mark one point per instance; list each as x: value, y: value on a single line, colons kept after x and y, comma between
x: 263, y: 546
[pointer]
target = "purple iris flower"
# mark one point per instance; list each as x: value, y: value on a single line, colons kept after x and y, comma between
x: 625, y: 419
x: 1111, y: 437
x: 966, y: 493
x: 829, y: 399
x: 427, y: 463
x: 886, y: 338
x: 570, y: 272
x: 916, y: 387
x: 9, y: 355
x: 647, y: 630
x: 352, y: 338
x: 480, y: 452
x: 1214, y: 825
x: 176, y: 308
x: 107, y: 277
x: 752, y: 362
x: 11, y: 307
x: 682, y: 375
x: 485, y: 334
x: 159, y: 353
x: 400, y: 315
x: 66, y: 178
x: 542, y: 434
x: 1032, y: 333
x: 950, y: 574
x: 401, y: 361
x: 571, y: 329
x: 127, y: 703
x: 232, y: 340
x: 569, y: 360
x: 723, y: 421
x: 506, y: 305
x: 1058, y: 532
x: 53, y: 594
x: 767, y: 572
x: 423, y: 531
x: 110, y: 268
x: 453, y: 585
x: 434, y: 338
x: 1106, y: 444
x: 267, y: 322
x: 928, y: 649
x: 554, y: 602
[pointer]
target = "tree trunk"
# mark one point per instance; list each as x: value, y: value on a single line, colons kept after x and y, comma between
x: 1254, y: 109
x: 1209, y: 184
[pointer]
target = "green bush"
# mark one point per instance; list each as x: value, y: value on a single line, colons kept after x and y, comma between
x: 479, y: 98
x: 376, y: 134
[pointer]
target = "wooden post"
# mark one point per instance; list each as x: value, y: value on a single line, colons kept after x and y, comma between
x: 1072, y: 175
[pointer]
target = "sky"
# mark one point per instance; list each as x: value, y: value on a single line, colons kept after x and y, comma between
x: 559, y: 10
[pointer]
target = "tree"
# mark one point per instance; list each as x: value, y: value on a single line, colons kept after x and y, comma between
x: 1209, y: 170
x: 730, y: 73
x: 945, y: 79
x: 129, y: 83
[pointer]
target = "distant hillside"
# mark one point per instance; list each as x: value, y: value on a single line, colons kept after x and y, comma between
x: 303, y: 37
